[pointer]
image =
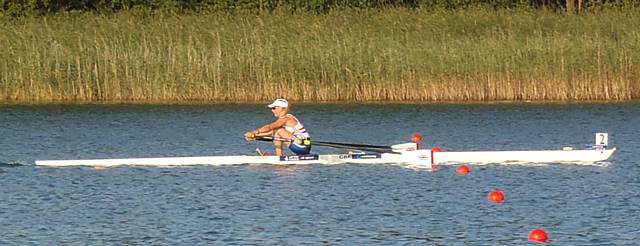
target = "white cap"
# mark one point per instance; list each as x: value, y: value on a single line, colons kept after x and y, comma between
x: 280, y: 102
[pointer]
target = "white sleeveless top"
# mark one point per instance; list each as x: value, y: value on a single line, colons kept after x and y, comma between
x: 298, y: 130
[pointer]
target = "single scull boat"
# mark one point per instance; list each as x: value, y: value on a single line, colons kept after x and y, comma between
x: 404, y: 154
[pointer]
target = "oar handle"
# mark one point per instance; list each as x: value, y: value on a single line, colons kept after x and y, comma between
x: 270, y: 138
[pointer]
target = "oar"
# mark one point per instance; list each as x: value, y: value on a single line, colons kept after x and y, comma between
x: 365, y: 147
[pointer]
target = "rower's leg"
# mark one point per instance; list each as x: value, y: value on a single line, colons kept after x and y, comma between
x: 281, y: 133
x: 278, y: 145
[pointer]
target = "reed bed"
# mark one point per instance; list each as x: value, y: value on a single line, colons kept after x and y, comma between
x: 344, y: 55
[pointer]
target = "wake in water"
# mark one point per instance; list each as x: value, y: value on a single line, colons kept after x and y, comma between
x: 13, y: 163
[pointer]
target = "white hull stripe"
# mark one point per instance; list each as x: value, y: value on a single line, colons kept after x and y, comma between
x: 421, y: 158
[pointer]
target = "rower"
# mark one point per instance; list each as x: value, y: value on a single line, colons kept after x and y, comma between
x: 285, y: 127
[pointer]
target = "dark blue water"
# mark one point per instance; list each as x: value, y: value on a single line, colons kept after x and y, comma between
x: 332, y: 205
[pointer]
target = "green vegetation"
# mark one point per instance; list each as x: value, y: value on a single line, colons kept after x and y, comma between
x: 390, y: 54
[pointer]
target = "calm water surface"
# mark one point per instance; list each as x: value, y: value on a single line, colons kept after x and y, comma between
x: 297, y: 205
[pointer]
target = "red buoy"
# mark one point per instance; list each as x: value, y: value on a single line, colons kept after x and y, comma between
x: 538, y: 235
x: 416, y: 137
x: 462, y: 169
x: 496, y: 196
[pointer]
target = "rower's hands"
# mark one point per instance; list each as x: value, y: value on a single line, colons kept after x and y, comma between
x: 249, y: 136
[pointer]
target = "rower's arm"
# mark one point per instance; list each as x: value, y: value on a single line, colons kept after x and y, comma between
x: 268, y: 128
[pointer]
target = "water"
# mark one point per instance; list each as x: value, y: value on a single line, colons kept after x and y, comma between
x: 297, y: 205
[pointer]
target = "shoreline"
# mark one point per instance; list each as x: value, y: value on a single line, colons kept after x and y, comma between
x: 395, y: 55
x: 307, y: 103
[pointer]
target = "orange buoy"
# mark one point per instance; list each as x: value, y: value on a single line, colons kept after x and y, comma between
x: 496, y: 196
x: 416, y: 137
x: 538, y: 235
x: 462, y: 169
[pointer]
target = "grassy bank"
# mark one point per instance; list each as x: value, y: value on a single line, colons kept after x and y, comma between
x: 346, y: 55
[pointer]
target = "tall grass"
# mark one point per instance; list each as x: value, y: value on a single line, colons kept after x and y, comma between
x: 345, y: 55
